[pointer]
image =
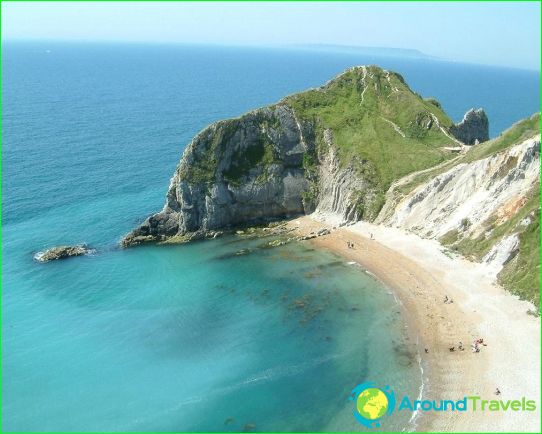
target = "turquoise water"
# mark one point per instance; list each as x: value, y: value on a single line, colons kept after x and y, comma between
x: 189, y: 337
x: 183, y: 337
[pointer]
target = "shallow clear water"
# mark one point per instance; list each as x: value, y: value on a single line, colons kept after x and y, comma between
x: 187, y: 337
x: 183, y: 337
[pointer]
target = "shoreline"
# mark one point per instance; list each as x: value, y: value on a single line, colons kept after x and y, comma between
x: 420, y: 275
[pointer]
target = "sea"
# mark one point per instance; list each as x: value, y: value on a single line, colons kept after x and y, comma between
x: 220, y: 335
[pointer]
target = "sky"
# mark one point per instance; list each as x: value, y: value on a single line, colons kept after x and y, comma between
x: 494, y: 33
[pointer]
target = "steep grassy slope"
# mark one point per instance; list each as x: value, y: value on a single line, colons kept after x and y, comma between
x: 522, y: 274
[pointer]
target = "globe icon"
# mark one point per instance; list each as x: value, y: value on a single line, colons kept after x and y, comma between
x: 372, y: 403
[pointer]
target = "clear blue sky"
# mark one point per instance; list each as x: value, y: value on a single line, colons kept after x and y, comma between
x: 498, y: 33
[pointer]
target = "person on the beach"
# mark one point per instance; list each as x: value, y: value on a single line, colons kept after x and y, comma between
x: 461, y: 346
x: 497, y: 391
x: 446, y: 299
x: 452, y: 349
x: 426, y: 351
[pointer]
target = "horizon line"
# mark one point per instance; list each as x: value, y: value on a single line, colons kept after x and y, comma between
x: 304, y: 46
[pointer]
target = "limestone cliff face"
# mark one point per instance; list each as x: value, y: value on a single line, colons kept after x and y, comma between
x: 234, y: 172
x: 473, y: 128
x: 342, y: 191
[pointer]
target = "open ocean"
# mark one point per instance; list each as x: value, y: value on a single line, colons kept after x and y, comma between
x: 190, y: 337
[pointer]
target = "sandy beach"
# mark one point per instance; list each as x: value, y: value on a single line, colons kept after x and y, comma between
x: 422, y: 275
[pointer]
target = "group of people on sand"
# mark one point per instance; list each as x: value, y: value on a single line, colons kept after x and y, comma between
x: 350, y: 244
x: 447, y: 300
x: 476, y: 345
x: 460, y: 347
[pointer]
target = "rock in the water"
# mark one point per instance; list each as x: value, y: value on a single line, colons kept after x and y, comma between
x: 62, y: 252
x: 474, y: 128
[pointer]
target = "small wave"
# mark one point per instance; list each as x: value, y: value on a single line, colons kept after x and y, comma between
x: 371, y: 274
x: 412, y: 423
x: 287, y: 371
x: 267, y: 375
x: 38, y: 256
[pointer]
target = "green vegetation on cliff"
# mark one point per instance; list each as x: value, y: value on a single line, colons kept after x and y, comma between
x: 378, y: 126
x: 210, y: 152
x: 261, y: 153
x: 377, y: 120
x: 521, y: 275
x: 204, y: 168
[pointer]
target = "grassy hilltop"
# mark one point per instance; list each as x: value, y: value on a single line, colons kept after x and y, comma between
x: 376, y: 118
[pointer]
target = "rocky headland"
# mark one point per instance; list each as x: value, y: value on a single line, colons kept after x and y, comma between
x: 321, y: 149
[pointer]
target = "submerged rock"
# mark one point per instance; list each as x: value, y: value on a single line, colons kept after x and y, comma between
x: 249, y: 427
x: 276, y: 243
x: 62, y: 252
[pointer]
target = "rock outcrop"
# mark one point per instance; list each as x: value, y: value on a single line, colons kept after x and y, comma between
x: 502, y: 252
x: 341, y: 190
x: 234, y: 172
x: 473, y: 128
x: 62, y: 252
